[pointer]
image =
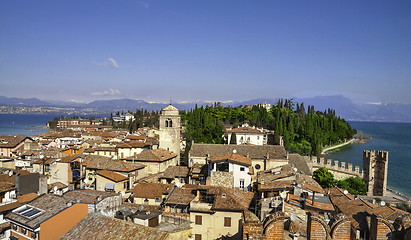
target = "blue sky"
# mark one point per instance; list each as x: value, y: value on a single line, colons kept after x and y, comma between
x: 205, y: 50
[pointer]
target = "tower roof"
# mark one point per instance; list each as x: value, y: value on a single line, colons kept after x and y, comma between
x: 170, y: 108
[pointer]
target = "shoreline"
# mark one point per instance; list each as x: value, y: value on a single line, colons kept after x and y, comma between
x: 327, y: 149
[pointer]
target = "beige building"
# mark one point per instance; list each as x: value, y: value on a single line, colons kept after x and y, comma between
x: 150, y: 193
x: 12, y: 146
x: 262, y: 157
x: 92, y: 164
x: 216, y: 212
x: 111, y: 181
x: 157, y: 160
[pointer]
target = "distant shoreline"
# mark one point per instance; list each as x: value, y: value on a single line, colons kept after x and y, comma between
x: 327, y: 149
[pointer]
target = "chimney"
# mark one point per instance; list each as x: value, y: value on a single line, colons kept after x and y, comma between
x: 313, y: 198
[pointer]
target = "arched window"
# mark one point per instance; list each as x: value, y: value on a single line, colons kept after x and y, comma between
x: 169, y: 123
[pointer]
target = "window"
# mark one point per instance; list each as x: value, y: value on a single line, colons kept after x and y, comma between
x: 242, y: 169
x: 14, y: 226
x: 227, y: 221
x: 222, y: 167
x: 169, y: 123
x: 24, y: 231
x: 199, y: 220
x: 242, y: 183
x: 157, y: 199
x: 197, y: 237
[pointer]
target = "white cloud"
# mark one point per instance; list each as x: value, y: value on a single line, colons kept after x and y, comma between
x: 109, y: 92
x: 110, y: 62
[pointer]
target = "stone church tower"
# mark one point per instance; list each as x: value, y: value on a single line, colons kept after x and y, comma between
x: 375, y: 164
x: 170, y: 130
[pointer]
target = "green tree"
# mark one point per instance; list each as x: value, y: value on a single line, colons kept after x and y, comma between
x: 324, y: 177
x: 353, y: 185
x: 233, y: 139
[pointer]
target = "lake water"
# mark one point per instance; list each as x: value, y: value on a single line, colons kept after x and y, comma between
x: 24, y: 124
x: 392, y: 137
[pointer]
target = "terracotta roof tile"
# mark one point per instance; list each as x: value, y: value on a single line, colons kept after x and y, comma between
x: 87, y: 196
x: 116, y: 177
x: 151, y: 190
x: 95, y: 226
x: 156, y: 155
x: 9, y: 207
x: 49, y: 204
x: 6, y: 186
x: 251, y: 151
x: 59, y: 186
x: 181, y: 196
x: 176, y: 171
x: 231, y: 157
x: 101, y: 163
x: 26, y: 197
x: 70, y: 158
x: 11, y: 141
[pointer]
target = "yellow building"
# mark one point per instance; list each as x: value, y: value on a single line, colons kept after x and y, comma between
x: 111, y: 181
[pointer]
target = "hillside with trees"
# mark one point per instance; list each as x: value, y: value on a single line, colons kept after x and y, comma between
x: 304, y: 131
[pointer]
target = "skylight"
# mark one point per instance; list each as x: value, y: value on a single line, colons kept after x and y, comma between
x: 28, y: 211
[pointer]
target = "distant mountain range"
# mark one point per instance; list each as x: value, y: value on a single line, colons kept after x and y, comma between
x: 344, y: 107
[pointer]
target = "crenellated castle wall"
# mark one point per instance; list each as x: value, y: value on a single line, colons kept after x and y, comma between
x: 339, y: 169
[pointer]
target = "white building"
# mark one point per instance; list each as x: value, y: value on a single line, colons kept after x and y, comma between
x: 231, y: 170
x: 247, y: 135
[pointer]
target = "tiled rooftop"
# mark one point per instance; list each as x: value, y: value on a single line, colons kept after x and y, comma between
x: 100, y: 162
x: 251, y: 151
x: 156, y: 155
x: 87, y: 196
x: 95, y: 226
x: 231, y: 157
x: 50, y: 205
x: 116, y: 177
x: 151, y: 190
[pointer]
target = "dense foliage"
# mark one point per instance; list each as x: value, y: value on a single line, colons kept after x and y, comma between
x: 353, y: 185
x: 304, y: 132
x: 324, y: 177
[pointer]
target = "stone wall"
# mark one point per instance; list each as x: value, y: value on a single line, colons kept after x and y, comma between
x: 375, y: 172
x: 339, y: 169
x: 224, y: 179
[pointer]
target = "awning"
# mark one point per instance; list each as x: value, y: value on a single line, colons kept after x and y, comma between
x: 110, y: 186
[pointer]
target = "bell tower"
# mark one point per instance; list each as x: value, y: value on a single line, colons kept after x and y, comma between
x: 170, y: 130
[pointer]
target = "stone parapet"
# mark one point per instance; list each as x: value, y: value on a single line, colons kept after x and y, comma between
x: 339, y: 169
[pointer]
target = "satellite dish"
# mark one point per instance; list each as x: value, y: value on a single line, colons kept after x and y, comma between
x: 55, y: 189
x: 10, y: 173
x: 295, y: 169
x: 345, y: 192
x: 123, y: 193
x: 234, y: 151
x: 283, y: 194
x: 293, y: 217
x: 382, y: 203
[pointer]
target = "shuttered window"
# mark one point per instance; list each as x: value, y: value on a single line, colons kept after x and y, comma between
x: 199, y: 220
x: 227, y: 222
